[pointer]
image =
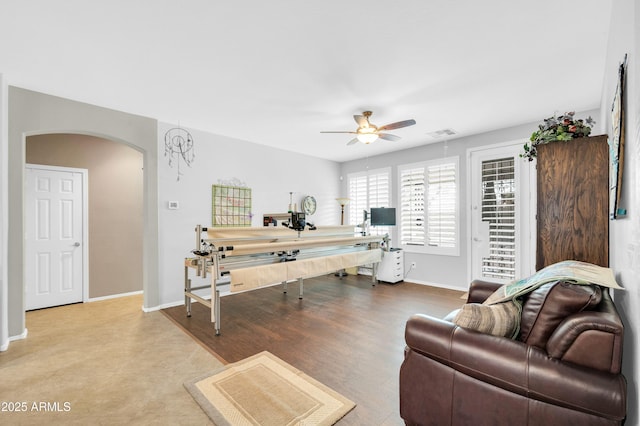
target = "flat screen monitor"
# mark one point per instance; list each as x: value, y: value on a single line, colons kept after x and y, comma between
x: 383, y: 216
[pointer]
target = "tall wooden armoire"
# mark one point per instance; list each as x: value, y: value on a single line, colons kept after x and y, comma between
x: 573, y: 201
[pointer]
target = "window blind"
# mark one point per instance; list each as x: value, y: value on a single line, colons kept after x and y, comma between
x: 366, y: 190
x: 358, y: 190
x: 412, y: 214
x: 499, y: 209
x: 441, y: 207
x: 429, y: 205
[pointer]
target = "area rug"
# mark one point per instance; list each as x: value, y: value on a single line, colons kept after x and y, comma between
x: 264, y: 390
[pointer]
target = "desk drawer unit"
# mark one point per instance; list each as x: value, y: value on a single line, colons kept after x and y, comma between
x: 391, y: 268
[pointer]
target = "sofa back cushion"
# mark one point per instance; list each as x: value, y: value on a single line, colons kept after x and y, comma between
x: 548, y: 305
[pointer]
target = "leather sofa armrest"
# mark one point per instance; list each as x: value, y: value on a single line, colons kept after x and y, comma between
x: 499, y: 359
x: 516, y: 367
x: 479, y: 290
x: 592, y: 339
x: 429, y: 335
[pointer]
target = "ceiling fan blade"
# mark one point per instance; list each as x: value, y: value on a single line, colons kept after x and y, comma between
x: 398, y: 125
x: 361, y: 120
x: 337, y: 131
x: 389, y: 137
x: 352, y: 141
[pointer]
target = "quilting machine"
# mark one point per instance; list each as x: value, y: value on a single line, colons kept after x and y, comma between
x: 244, y: 259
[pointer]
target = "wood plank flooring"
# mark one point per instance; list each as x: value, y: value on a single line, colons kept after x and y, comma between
x: 345, y: 333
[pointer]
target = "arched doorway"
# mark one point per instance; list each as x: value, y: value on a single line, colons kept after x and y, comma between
x: 33, y: 113
x: 114, y: 206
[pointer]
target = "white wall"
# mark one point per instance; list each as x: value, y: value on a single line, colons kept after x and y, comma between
x: 270, y: 173
x: 625, y: 231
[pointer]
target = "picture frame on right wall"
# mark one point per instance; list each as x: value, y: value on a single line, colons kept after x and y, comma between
x: 616, y: 145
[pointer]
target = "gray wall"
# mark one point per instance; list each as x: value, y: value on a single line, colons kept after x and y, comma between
x: 33, y: 113
x: 4, y: 216
x: 444, y: 271
x: 114, y: 207
x: 270, y: 173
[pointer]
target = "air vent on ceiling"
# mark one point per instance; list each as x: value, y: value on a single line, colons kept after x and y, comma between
x: 442, y: 133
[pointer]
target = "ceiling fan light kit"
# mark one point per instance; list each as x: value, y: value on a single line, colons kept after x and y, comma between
x: 367, y: 132
x: 367, y: 135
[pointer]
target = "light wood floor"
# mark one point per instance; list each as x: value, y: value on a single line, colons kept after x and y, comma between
x: 102, y: 363
x: 344, y: 333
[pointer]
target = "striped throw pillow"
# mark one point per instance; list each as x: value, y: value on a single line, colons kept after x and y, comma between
x: 500, y: 319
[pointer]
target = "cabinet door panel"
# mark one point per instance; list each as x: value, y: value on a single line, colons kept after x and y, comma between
x: 572, y: 212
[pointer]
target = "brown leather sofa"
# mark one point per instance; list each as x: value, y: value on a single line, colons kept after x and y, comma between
x: 563, y: 368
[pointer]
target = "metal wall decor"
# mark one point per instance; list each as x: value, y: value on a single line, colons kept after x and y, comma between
x: 178, y: 145
x: 616, y: 145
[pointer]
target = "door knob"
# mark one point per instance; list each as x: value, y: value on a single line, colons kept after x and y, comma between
x: 77, y: 244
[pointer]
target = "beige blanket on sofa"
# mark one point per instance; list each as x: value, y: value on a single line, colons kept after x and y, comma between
x: 568, y: 270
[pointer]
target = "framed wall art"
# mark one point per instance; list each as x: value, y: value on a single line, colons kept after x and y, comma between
x: 616, y: 145
x: 231, y: 206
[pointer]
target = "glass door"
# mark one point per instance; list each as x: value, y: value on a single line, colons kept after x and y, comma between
x: 500, y: 215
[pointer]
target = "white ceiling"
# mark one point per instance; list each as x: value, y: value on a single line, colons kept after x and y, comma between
x: 278, y: 72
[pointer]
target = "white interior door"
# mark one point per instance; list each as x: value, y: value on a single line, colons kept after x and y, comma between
x: 500, y: 214
x: 55, y: 236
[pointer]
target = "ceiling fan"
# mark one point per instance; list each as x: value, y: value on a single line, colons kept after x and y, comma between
x: 367, y: 132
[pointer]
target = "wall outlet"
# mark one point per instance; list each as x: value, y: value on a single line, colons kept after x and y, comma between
x: 413, y: 265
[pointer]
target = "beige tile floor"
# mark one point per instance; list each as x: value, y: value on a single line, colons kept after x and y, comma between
x: 102, y: 363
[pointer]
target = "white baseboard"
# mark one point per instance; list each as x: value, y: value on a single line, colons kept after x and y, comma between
x: 163, y: 306
x: 431, y: 284
x: 114, y: 296
x: 21, y: 336
x: 173, y: 304
x: 134, y: 293
x: 227, y: 293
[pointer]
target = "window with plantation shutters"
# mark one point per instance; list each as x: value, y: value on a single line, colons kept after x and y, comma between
x: 412, y: 214
x: 366, y: 190
x: 442, y: 218
x: 358, y: 188
x: 429, y: 207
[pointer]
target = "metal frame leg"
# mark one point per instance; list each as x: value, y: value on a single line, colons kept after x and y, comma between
x: 374, y: 274
x: 187, y: 289
x: 217, y: 311
x: 300, y: 287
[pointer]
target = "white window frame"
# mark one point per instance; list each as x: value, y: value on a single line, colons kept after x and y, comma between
x: 425, y: 248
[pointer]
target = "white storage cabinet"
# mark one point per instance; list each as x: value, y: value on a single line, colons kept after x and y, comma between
x: 391, y: 268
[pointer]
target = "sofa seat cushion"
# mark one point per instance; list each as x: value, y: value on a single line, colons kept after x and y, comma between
x: 500, y: 319
x: 548, y: 305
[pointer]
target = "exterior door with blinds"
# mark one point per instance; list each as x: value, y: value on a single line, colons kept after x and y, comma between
x: 500, y: 215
